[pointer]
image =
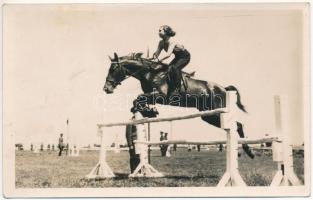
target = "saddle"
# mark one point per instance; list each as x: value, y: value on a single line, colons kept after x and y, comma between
x: 189, y: 74
x: 161, y: 67
x: 158, y: 67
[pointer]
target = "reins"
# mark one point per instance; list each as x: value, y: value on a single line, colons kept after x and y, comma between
x: 124, y: 73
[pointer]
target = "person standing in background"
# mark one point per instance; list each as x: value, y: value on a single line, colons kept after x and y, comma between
x: 61, y: 144
x: 163, y: 147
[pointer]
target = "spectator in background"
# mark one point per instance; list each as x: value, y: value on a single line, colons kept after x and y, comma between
x: 67, y: 148
x: 174, y: 147
x: 61, y: 144
x: 220, y: 148
x: 189, y: 147
x: 163, y: 147
x: 198, y: 147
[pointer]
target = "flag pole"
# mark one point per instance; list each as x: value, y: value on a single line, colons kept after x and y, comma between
x: 68, y: 137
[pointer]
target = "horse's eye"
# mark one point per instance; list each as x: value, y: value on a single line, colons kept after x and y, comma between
x: 113, y: 67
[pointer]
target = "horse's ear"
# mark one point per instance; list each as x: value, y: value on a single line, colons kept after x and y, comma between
x: 110, y: 58
x: 138, y: 55
x: 115, y: 56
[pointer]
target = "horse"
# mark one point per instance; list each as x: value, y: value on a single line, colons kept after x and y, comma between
x: 156, y: 87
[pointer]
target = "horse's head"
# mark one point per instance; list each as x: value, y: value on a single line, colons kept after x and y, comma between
x: 120, y: 68
x: 115, y: 76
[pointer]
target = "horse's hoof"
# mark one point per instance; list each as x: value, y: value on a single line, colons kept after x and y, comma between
x: 149, y: 114
x: 133, y: 110
x: 248, y: 151
x: 155, y: 111
x: 250, y: 154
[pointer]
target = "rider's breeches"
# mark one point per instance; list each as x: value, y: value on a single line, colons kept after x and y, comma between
x: 175, y: 69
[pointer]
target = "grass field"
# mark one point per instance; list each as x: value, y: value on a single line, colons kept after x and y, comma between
x: 182, y: 169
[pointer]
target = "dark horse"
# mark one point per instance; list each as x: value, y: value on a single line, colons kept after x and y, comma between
x: 156, y: 85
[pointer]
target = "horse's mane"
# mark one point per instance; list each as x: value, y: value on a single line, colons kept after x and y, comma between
x: 136, y: 57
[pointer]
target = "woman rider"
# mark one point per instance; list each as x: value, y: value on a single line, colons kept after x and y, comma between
x: 182, y: 56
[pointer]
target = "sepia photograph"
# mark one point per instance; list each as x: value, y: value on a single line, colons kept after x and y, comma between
x: 156, y: 100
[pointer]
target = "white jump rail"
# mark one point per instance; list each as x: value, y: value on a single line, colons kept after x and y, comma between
x: 165, y: 119
x: 215, y: 142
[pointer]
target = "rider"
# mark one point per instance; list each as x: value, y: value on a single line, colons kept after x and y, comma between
x: 182, y: 56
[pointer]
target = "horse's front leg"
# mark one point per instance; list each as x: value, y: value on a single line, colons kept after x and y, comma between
x: 142, y: 102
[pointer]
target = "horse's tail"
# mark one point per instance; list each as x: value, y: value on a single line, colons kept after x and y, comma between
x: 239, y: 104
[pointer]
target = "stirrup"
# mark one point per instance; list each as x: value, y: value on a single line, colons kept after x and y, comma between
x: 175, y: 91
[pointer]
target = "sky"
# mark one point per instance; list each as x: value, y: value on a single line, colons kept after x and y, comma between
x: 56, y: 61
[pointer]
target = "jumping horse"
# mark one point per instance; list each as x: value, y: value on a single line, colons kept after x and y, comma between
x: 156, y: 87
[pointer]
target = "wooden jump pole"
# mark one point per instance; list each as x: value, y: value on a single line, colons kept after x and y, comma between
x: 102, y: 169
x: 215, y: 142
x: 155, y: 120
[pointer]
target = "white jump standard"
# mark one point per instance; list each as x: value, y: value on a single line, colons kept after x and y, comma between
x: 282, y: 152
x: 102, y: 169
x: 228, y: 123
x: 144, y: 169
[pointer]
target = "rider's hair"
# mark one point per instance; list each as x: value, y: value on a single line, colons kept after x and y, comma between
x: 168, y: 30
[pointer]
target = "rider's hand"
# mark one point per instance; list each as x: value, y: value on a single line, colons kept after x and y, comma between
x: 157, y: 67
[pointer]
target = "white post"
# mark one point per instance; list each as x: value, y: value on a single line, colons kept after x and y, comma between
x: 149, y: 147
x: 228, y: 122
x: 73, y: 149
x: 35, y: 147
x: 117, y: 144
x: 102, y: 169
x: 68, y: 145
x: 144, y: 169
x: 282, y: 152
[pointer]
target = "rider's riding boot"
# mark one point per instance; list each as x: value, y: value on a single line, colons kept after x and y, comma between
x: 176, y: 81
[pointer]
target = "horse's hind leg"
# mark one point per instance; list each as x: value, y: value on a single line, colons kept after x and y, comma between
x: 215, y: 120
x: 245, y: 147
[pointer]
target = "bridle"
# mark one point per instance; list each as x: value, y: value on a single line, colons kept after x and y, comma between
x: 121, y: 71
